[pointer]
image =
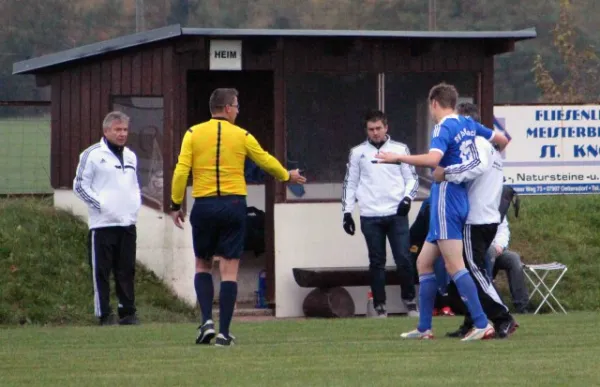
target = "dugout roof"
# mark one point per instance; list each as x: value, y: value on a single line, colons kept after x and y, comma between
x: 45, y: 62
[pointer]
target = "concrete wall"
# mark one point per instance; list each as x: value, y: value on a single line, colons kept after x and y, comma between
x: 306, y: 235
x: 168, y: 252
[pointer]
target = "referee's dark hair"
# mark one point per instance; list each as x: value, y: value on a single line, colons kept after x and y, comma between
x: 468, y: 109
x: 220, y: 98
x: 374, y: 116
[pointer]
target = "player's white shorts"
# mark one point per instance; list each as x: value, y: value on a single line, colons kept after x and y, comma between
x: 449, y: 210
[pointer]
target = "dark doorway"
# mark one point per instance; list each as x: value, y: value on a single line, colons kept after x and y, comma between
x: 256, y: 99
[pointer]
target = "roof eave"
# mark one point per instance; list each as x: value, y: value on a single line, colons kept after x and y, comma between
x: 529, y: 33
x: 46, y: 62
x: 112, y: 45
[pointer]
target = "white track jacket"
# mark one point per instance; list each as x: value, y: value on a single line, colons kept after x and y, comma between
x: 484, y: 183
x: 109, y: 188
x: 378, y: 188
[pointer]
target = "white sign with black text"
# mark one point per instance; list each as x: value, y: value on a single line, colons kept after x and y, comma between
x: 554, y: 149
x: 225, y: 55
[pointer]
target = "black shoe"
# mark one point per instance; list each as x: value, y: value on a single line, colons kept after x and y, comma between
x: 129, y: 320
x: 381, y: 311
x: 108, y: 320
x: 505, y: 328
x: 223, y: 341
x: 206, y: 332
x: 460, y: 332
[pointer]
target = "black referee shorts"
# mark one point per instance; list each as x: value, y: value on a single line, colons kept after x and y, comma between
x: 219, y: 226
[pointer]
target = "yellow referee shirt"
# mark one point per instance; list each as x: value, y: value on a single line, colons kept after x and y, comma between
x: 216, y: 150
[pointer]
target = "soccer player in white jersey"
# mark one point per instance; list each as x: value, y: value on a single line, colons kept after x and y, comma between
x: 452, y: 143
x: 484, y: 183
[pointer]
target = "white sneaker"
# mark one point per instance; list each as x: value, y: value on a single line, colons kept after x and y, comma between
x: 416, y: 334
x: 480, y: 333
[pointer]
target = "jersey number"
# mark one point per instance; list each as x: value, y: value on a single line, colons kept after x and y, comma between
x: 466, y: 150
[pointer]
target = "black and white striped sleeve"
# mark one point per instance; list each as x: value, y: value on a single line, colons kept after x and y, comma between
x: 82, y: 184
x: 351, y: 181
x: 411, y: 179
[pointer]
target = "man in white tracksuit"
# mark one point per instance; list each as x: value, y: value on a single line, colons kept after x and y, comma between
x: 485, y: 183
x: 106, y: 180
x: 384, y: 193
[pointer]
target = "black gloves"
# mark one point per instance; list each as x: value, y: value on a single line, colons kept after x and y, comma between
x: 349, y: 225
x: 404, y: 207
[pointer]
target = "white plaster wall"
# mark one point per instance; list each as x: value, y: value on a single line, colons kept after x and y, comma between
x: 311, y: 235
x: 168, y: 251
x: 306, y: 235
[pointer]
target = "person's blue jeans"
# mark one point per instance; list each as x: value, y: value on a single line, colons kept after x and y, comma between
x: 395, y: 229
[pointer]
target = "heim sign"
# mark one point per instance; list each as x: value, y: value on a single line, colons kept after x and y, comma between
x: 554, y: 149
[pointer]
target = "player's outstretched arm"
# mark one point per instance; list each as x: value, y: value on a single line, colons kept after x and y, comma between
x: 431, y: 159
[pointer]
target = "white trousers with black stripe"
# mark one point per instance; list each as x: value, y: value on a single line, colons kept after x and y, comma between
x: 477, y: 239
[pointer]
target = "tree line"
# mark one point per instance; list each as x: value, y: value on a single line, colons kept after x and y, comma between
x: 561, y: 64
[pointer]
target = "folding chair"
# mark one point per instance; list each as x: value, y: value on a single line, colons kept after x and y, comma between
x: 536, y: 274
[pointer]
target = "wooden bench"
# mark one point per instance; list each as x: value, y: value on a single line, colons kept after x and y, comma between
x: 329, y: 298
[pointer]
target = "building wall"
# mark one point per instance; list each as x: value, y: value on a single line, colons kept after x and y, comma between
x: 314, y: 238
x: 81, y: 97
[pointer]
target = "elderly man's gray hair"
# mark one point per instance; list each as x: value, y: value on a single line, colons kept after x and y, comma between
x: 114, y: 116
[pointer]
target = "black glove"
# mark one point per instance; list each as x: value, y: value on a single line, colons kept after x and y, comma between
x: 349, y: 225
x: 404, y: 207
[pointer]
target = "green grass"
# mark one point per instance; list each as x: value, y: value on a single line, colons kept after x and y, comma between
x: 24, y: 156
x: 45, y: 277
x: 563, y: 229
x: 546, y: 350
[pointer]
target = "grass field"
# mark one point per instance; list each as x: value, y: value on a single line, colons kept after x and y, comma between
x: 24, y: 156
x: 547, y: 350
x: 46, y: 279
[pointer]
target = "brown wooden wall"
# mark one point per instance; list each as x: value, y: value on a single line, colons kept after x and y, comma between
x: 81, y: 93
x: 81, y: 97
x: 332, y: 55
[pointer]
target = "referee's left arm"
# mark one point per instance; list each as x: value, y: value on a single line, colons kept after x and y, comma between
x: 182, y: 172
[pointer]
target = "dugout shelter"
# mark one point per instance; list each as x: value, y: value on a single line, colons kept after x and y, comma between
x: 302, y: 94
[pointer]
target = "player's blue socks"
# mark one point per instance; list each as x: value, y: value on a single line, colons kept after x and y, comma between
x: 227, y: 299
x: 205, y: 292
x: 427, y: 293
x: 468, y: 292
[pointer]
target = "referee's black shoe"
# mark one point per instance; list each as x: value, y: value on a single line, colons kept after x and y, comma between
x: 206, y: 332
x: 460, y: 332
x: 223, y: 341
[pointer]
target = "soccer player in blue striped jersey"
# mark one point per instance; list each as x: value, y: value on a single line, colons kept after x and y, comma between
x: 452, y: 143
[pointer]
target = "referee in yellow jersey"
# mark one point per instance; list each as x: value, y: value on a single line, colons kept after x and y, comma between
x: 216, y: 151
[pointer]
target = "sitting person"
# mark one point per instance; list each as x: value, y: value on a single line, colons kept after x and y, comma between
x: 500, y: 258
